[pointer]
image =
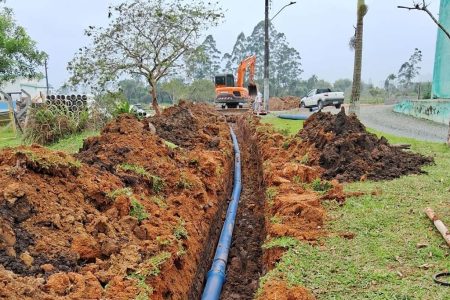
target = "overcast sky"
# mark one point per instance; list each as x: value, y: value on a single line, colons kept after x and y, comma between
x: 318, y: 29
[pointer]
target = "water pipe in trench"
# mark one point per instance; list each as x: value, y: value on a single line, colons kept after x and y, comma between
x: 216, y: 275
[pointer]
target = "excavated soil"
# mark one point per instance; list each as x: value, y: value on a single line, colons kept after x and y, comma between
x: 341, y: 145
x: 127, y: 217
x: 246, y: 257
x: 291, y: 207
x: 179, y: 125
x: 284, y: 103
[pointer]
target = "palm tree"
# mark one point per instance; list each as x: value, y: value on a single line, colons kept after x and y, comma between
x: 357, y: 44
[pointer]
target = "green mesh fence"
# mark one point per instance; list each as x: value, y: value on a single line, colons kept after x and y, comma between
x: 441, y: 78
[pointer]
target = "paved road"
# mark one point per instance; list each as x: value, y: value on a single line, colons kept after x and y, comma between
x: 382, y: 118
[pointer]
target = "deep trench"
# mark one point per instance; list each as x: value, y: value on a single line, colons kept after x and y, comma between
x: 245, y: 261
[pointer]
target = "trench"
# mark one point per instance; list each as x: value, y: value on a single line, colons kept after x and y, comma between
x: 245, y: 261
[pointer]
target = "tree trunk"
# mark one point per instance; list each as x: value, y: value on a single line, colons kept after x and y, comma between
x: 448, y: 138
x: 356, y: 89
x: 154, y: 96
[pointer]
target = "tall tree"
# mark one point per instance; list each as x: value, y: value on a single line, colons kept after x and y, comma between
x: 144, y: 37
x: 204, y: 61
x: 19, y: 56
x: 357, y: 44
x: 342, y: 84
x: 410, y: 69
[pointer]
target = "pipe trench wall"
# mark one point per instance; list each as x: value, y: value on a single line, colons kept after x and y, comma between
x: 433, y: 110
x: 210, y: 242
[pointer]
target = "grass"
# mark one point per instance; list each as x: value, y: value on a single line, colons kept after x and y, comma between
x: 137, y: 210
x: 285, y: 127
x: 383, y: 260
x: 69, y: 144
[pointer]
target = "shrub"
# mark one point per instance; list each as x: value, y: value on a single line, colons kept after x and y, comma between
x: 48, y: 123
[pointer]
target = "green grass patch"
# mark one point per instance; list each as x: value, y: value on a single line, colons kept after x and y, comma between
x: 285, y: 242
x: 383, y: 260
x: 138, y: 210
x: 120, y: 192
x: 285, y: 127
x: 157, y: 182
x: 180, y: 231
x: 70, y: 144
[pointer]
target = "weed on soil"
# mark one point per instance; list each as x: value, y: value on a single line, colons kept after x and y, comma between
x: 112, y: 222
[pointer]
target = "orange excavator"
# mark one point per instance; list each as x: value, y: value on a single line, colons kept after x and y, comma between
x: 233, y: 94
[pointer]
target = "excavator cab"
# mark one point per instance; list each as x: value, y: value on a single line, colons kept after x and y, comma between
x: 252, y: 89
x: 226, y: 80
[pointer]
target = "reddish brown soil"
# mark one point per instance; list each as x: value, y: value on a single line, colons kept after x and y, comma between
x: 63, y: 235
x: 284, y: 103
x: 245, y: 258
x: 179, y: 125
x: 296, y: 209
x: 341, y: 145
x: 278, y: 290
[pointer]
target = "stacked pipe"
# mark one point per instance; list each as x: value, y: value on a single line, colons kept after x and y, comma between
x: 74, y: 103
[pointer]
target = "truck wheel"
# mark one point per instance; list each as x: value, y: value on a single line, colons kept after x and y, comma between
x: 302, y: 105
x: 320, y: 105
x: 338, y: 106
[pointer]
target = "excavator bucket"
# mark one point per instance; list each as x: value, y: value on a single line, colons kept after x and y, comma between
x: 252, y: 90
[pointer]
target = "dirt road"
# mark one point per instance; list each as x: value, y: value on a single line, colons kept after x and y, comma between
x: 382, y: 118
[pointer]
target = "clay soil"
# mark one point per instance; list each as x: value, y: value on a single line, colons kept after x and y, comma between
x: 126, y: 218
x: 341, y: 146
x: 246, y: 257
x: 291, y: 207
x: 284, y: 103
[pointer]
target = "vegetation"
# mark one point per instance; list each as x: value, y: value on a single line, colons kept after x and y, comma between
x: 19, y: 55
x: 147, y: 44
x: 49, y: 123
x: 396, y: 249
x: 70, y: 144
x: 180, y: 231
x: 138, y: 210
x: 357, y: 44
x: 321, y: 185
x: 410, y: 69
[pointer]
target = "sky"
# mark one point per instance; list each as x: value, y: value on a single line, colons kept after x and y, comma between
x: 319, y: 29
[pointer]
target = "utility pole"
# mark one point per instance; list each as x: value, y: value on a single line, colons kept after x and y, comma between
x: 266, y: 58
x: 46, y: 76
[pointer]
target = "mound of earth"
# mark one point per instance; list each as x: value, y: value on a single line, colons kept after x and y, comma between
x: 341, y: 145
x: 122, y: 220
x: 284, y: 103
x: 181, y: 126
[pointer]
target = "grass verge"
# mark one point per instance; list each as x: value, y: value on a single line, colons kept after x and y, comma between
x: 395, y: 250
x: 70, y: 144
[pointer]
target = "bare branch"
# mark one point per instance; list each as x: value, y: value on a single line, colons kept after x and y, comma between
x: 424, y: 7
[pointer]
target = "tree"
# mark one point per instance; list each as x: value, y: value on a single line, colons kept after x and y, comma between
x: 176, y: 88
x: 134, y: 90
x: 19, y: 56
x: 410, y: 69
x: 201, y: 91
x: 342, y: 84
x: 424, y: 7
x: 143, y: 37
x: 204, y: 61
x: 357, y: 44
x: 312, y: 82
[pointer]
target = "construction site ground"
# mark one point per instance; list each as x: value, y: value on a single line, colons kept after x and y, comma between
x: 383, y: 119
x: 360, y: 240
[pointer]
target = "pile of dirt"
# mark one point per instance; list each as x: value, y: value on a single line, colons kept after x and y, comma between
x: 284, y: 103
x: 341, y: 145
x: 123, y: 219
x: 179, y: 125
x: 292, y: 207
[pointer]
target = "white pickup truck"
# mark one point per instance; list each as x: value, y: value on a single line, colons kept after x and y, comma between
x: 322, y: 97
